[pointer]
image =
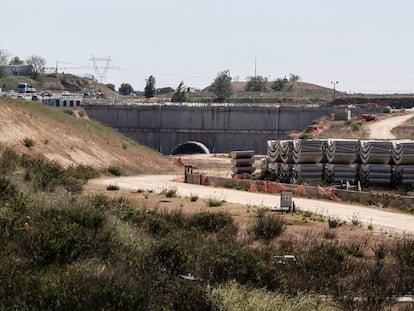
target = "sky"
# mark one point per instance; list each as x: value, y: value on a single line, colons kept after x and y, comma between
x: 366, y: 46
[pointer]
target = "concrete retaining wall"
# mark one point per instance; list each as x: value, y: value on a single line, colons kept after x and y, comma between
x: 222, y: 128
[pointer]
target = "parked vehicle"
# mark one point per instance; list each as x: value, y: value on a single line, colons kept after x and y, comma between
x: 369, y: 117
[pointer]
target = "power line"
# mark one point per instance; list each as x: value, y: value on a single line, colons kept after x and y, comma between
x: 101, y: 71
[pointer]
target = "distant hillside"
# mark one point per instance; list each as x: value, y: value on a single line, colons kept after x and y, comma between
x: 71, y: 138
x: 57, y: 82
x: 293, y: 92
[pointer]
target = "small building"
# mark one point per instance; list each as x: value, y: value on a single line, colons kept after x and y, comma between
x: 64, y: 102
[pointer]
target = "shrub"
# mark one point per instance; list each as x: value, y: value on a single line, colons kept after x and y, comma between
x: 8, y: 160
x: 115, y: 171
x: 156, y: 225
x: 355, y: 126
x: 212, y: 222
x: 65, y: 233
x: 355, y: 249
x: 232, y: 296
x: 169, y: 192
x: 333, y: 222
x: 194, y: 198
x: 171, y: 254
x: 214, y: 202
x: 112, y: 187
x: 28, y: 142
x: 45, y: 175
x: 267, y: 226
x: 330, y: 235
x: 82, y: 172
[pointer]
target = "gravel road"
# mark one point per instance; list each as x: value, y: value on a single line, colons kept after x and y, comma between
x: 380, y: 219
x: 382, y: 129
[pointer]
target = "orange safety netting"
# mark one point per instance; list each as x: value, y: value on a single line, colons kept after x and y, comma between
x: 253, y: 187
x: 242, y: 176
x: 326, y: 193
x: 300, y: 190
x: 272, y: 187
x: 178, y: 179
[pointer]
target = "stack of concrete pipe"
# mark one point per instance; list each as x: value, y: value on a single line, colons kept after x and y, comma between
x: 375, y: 174
x: 403, y: 175
x: 285, y: 172
x: 286, y: 151
x: 307, y: 171
x: 375, y: 151
x: 341, y: 151
x: 403, y: 152
x: 342, y: 160
x: 340, y: 173
x: 309, y: 151
x: 242, y: 161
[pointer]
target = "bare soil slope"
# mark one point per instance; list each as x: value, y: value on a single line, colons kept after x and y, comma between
x: 64, y: 136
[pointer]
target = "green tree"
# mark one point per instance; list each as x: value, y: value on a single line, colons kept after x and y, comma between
x: 255, y: 84
x: 181, y: 94
x: 149, y: 90
x: 4, y: 56
x: 38, y: 65
x: 221, y: 86
x: 294, y: 78
x: 16, y: 61
x: 279, y: 84
x: 125, y: 89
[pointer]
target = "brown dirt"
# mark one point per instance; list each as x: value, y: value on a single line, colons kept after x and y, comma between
x: 72, y: 140
x: 298, y: 226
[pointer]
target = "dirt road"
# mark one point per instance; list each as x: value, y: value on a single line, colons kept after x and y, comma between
x: 382, y: 129
x: 380, y: 219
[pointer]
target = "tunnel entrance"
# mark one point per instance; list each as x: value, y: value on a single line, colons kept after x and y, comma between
x: 190, y: 147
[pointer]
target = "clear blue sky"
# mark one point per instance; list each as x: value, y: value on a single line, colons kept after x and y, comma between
x: 365, y: 45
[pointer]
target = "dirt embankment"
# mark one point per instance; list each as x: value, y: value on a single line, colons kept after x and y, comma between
x: 70, y: 138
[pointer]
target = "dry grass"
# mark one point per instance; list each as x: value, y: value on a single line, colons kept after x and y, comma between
x: 74, y: 140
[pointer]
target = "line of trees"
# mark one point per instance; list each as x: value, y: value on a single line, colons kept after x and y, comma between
x: 36, y: 62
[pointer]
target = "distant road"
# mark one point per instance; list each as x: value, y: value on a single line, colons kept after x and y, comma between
x: 380, y: 219
x: 382, y: 129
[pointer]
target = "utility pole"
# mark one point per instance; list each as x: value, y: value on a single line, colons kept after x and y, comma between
x: 255, y: 66
x: 334, y: 83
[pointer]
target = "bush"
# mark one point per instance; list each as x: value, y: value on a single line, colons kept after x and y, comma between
x: 45, y: 175
x: 267, y: 226
x: 214, y: 202
x: 65, y: 233
x: 28, y: 142
x: 115, y: 171
x: 169, y: 192
x: 194, y: 198
x: 212, y: 222
x: 8, y: 160
x: 333, y: 222
x: 172, y: 255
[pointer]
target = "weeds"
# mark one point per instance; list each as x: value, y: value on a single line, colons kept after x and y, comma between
x: 115, y: 171
x: 28, y: 142
x: 214, y: 201
x: 267, y: 226
x: 333, y: 222
x: 170, y: 192
x: 193, y: 198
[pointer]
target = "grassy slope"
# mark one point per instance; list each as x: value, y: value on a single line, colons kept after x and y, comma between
x: 73, y: 140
